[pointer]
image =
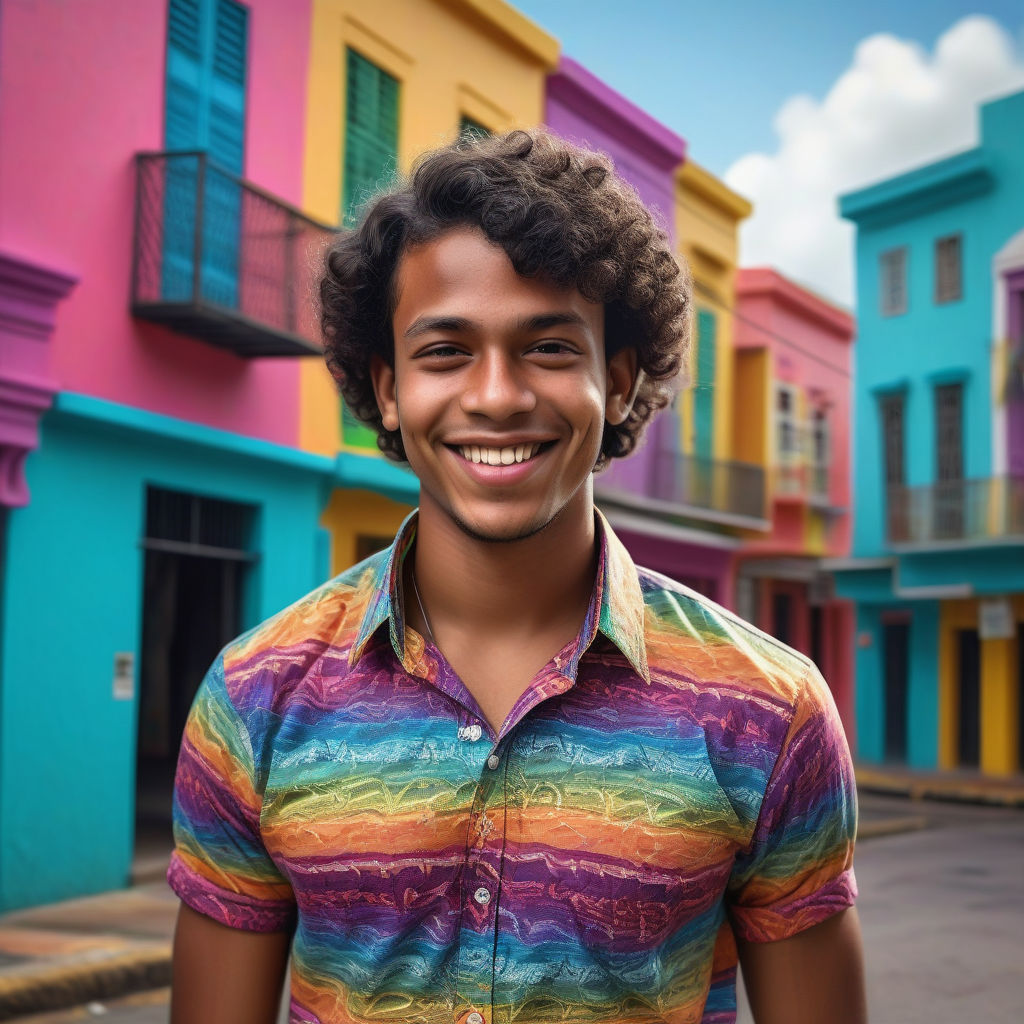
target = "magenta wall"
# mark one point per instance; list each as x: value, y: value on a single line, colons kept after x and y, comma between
x: 692, y: 564
x: 580, y: 107
x: 83, y: 93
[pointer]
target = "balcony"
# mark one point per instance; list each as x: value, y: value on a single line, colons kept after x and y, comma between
x: 989, y: 510
x: 713, y: 490
x: 800, y: 482
x: 218, y: 259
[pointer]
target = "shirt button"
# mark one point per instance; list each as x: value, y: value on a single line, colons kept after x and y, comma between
x: 483, y: 897
x: 475, y: 1018
x: 493, y: 761
x: 475, y: 732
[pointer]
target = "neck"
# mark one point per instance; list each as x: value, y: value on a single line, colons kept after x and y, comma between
x: 508, y: 588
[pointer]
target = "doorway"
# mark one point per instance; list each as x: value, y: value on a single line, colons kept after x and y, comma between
x: 968, y: 649
x: 896, y: 655
x: 197, y: 556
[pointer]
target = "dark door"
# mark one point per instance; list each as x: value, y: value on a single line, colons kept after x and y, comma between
x: 782, y: 616
x: 896, y: 655
x: 1020, y: 696
x: 818, y: 635
x: 196, y: 560
x: 969, y: 675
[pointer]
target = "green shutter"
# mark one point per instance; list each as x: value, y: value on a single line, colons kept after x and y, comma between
x: 371, y: 131
x: 704, y: 394
x: 470, y: 129
x: 355, y: 433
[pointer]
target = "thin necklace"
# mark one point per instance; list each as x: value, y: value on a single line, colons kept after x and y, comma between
x: 419, y: 601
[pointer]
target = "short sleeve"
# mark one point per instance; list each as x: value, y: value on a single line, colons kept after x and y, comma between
x: 798, y: 868
x: 220, y: 866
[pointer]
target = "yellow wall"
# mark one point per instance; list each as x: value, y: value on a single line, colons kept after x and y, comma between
x: 1000, y: 744
x: 478, y: 58
x: 350, y: 514
x: 707, y: 224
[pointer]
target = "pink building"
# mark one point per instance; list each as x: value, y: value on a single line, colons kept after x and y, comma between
x: 153, y: 502
x: 794, y: 363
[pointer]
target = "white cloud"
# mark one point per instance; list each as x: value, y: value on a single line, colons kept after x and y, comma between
x: 896, y: 107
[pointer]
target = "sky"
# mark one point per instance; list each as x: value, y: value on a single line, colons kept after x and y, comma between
x: 792, y: 104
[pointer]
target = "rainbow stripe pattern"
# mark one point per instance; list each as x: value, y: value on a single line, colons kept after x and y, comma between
x: 671, y: 780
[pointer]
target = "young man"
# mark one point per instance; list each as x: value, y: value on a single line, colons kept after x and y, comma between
x: 496, y: 772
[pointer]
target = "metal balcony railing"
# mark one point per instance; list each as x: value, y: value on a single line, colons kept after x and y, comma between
x: 989, y: 509
x: 219, y: 259
x: 728, y: 489
x: 803, y: 482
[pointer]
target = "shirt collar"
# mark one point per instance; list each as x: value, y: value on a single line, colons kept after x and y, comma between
x: 616, y: 607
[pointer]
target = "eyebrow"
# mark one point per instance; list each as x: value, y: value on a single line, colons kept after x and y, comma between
x: 457, y: 324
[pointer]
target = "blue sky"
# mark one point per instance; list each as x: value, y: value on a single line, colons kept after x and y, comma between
x: 718, y: 73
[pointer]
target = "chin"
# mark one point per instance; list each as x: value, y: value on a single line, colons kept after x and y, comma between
x: 500, y: 530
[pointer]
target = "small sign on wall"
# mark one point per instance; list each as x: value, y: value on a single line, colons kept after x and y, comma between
x: 124, y: 675
x: 995, y: 620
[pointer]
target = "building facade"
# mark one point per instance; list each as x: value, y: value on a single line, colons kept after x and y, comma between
x: 937, y: 568
x: 156, y: 502
x: 792, y: 410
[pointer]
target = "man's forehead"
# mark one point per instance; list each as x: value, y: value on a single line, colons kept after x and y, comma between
x: 463, y: 277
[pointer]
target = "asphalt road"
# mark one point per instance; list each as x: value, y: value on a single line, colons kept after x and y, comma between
x: 942, y: 911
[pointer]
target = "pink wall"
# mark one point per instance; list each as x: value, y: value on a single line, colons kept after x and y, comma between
x: 83, y: 91
x: 811, y: 344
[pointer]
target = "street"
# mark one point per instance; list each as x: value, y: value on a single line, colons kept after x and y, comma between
x: 942, y: 911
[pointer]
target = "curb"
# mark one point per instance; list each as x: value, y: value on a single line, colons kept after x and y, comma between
x: 57, y: 986
x: 891, y: 826
x: 938, y: 789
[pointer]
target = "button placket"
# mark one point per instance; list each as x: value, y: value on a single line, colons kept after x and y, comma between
x: 481, y: 892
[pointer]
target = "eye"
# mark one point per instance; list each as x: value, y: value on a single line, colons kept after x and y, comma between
x: 553, y: 347
x: 441, y: 352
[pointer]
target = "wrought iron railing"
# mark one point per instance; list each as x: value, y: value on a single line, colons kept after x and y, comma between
x: 220, y: 259
x: 986, y: 509
x: 801, y: 480
x: 732, y: 489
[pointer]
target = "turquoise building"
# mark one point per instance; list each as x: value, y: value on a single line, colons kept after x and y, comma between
x: 937, y: 565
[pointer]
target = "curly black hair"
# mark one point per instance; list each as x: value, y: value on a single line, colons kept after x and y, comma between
x: 559, y: 212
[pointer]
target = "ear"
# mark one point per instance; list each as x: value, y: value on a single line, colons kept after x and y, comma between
x: 382, y: 374
x: 623, y: 383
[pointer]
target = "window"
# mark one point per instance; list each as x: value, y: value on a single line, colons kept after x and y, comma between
x: 789, y: 471
x: 892, y: 439
x: 894, y: 281
x: 948, y: 284
x: 704, y: 391
x: 891, y: 409
x: 820, y: 453
x: 949, y: 452
x: 371, y: 130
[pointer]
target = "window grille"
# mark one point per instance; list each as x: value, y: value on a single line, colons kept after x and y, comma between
x: 188, y: 524
x: 892, y: 439
x: 948, y: 261
x: 949, y: 432
x: 894, y: 281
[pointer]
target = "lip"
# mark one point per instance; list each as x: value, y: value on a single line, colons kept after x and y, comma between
x: 498, y: 476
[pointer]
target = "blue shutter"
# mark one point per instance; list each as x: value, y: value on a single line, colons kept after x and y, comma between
x: 704, y: 396
x: 207, y: 43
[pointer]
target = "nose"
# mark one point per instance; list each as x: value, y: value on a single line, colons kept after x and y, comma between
x: 497, y: 388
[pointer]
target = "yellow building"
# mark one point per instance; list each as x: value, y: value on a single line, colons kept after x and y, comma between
x: 389, y: 79
x: 708, y: 215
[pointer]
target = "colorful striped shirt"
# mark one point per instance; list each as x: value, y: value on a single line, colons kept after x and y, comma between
x: 670, y: 780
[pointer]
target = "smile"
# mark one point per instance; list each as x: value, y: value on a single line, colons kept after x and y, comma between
x: 508, y: 456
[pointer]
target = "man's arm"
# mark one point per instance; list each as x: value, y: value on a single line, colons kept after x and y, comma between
x: 225, y: 974
x: 815, y: 977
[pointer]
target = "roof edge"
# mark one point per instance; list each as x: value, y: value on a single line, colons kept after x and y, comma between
x: 518, y: 29
x: 751, y: 281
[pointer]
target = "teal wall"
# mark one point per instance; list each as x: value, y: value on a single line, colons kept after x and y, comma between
x: 72, y: 598
x: 979, y: 195
x: 922, y: 695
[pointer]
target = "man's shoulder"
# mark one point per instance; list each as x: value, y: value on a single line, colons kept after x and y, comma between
x: 324, y: 622
x: 690, y: 636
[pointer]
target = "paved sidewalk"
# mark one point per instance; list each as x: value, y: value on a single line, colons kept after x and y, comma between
x: 112, y: 944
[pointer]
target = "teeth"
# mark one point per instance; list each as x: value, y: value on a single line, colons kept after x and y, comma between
x: 499, y: 456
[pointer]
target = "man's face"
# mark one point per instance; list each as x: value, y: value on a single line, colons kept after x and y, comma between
x: 500, y: 387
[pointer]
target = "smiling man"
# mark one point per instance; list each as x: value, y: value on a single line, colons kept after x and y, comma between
x: 498, y: 772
